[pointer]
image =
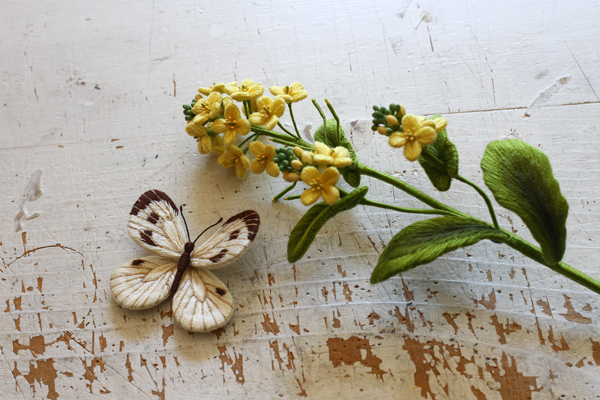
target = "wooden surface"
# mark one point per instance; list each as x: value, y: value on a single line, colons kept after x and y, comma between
x: 91, y: 95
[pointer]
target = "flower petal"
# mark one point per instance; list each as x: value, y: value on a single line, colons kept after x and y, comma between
x: 410, y: 123
x: 257, y: 167
x: 310, y: 196
x: 329, y: 176
x: 397, y: 139
x: 257, y: 149
x: 278, y: 106
x: 219, y: 125
x: 330, y: 194
x: 229, y: 136
x: 272, y: 168
x: 309, y: 175
x: 412, y: 150
x: 425, y: 135
x: 270, y: 124
x: 321, y: 148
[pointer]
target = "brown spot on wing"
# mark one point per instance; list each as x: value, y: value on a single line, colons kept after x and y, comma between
x: 218, y: 257
x: 147, y: 239
x: 150, y: 196
x: 234, y: 235
x: 153, y: 218
x: 250, y: 218
x: 220, y: 292
x: 137, y: 262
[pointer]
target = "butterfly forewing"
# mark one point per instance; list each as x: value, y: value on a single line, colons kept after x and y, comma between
x: 229, y: 242
x: 156, y: 225
x: 202, y: 302
x: 143, y: 282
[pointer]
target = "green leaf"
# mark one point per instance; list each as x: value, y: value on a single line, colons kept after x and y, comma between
x: 351, y: 176
x: 520, y: 176
x: 424, y: 241
x: 309, y: 225
x: 440, y: 172
x: 328, y: 134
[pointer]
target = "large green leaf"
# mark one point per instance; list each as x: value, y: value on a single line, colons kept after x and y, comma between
x: 329, y: 134
x: 307, y: 228
x: 442, y: 170
x: 520, y: 176
x: 424, y: 241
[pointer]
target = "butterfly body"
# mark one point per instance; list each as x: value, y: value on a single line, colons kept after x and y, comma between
x: 201, y: 302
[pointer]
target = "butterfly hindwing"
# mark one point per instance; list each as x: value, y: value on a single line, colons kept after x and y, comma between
x: 156, y: 224
x: 202, y: 302
x: 229, y: 242
x: 143, y: 283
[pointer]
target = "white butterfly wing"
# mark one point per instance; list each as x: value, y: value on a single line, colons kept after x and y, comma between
x: 156, y: 224
x: 228, y: 243
x: 202, y: 302
x: 143, y: 282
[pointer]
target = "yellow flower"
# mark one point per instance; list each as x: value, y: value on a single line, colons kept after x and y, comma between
x: 248, y: 91
x: 208, y: 108
x: 216, y: 87
x: 200, y: 133
x: 322, y: 184
x: 215, y: 145
x: 264, y: 159
x: 269, y: 112
x: 417, y: 133
x: 293, y: 93
x: 232, y: 124
x: 338, y: 157
x: 234, y: 156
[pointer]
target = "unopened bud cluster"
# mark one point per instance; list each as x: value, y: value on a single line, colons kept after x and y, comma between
x: 387, y: 121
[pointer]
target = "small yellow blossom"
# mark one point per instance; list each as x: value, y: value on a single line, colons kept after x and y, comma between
x: 200, y: 133
x: 269, y: 112
x: 338, y: 157
x: 226, y: 101
x: 440, y: 123
x: 264, y: 159
x: 233, y: 156
x: 207, y: 108
x: 248, y: 91
x: 215, y: 145
x: 417, y: 133
x: 322, y: 184
x: 293, y: 93
x: 216, y: 87
x: 232, y: 125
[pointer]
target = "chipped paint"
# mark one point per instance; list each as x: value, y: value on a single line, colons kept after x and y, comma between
x: 350, y: 351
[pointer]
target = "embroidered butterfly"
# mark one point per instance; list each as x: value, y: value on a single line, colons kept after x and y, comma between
x: 201, y: 302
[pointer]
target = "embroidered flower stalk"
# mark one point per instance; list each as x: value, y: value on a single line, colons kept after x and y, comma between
x: 519, y: 176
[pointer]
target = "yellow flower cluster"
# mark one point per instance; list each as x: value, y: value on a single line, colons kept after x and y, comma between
x: 217, y: 114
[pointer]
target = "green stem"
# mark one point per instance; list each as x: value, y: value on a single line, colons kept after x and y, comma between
x: 562, y: 268
x: 294, y: 197
x: 284, y: 191
x: 276, y: 135
x: 405, y: 187
x: 367, y: 202
x: 286, y: 131
x: 248, y: 138
x: 293, y: 120
x: 318, y: 107
x: 487, y: 200
x: 291, y: 144
x: 335, y: 116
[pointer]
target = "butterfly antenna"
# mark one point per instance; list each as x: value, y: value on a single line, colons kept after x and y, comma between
x: 217, y: 223
x: 185, y: 222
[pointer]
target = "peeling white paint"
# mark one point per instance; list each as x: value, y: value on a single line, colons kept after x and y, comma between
x: 32, y: 192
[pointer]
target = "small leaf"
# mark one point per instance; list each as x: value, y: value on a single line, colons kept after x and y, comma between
x: 445, y: 151
x: 307, y: 228
x: 328, y: 134
x: 424, y: 241
x: 351, y: 176
x: 520, y: 176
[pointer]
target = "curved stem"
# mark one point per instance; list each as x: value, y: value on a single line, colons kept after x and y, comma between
x: 405, y: 187
x: 562, y: 268
x: 367, y: 202
x: 284, y: 191
x: 293, y: 141
x: 487, y: 200
x: 286, y: 131
x: 318, y: 107
x: 248, y: 138
x: 293, y: 120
